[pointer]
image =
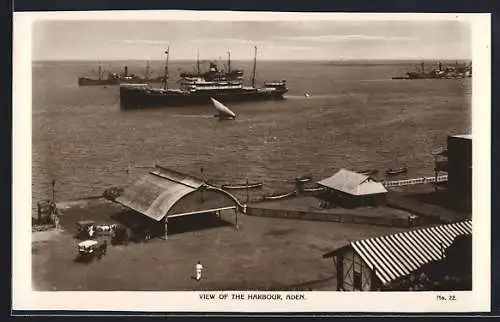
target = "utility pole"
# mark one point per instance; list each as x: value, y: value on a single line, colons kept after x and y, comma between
x: 203, y: 185
x: 54, y: 191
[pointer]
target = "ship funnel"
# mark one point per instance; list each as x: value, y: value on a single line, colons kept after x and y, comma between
x: 125, y: 71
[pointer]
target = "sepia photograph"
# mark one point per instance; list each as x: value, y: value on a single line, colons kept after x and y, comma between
x: 254, y: 159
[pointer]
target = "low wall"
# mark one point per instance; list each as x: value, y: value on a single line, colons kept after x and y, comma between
x: 325, y: 216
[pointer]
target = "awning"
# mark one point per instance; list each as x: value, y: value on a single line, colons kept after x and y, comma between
x: 397, y: 255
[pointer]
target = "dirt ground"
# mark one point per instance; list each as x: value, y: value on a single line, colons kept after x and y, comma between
x: 263, y: 254
x: 305, y: 203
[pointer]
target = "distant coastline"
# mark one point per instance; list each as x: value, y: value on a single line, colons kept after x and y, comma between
x: 328, y: 62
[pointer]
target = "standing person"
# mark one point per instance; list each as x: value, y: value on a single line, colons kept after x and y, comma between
x: 198, y: 268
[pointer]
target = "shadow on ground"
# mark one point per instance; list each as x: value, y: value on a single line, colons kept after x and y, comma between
x: 443, y: 199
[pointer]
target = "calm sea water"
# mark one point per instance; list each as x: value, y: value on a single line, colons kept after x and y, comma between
x: 356, y: 117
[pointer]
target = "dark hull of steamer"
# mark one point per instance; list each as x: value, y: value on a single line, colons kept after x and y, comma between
x: 131, y: 97
x: 83, y: 81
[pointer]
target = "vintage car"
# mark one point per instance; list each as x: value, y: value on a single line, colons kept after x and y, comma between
x: 88, y: 249
x: 85, y: 229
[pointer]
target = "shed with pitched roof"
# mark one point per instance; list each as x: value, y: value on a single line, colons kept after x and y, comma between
x: 351, y: 189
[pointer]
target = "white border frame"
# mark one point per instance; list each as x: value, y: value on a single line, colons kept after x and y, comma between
x: 23, y: 298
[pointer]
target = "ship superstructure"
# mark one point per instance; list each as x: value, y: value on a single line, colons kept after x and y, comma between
x: 198, y: 88
x: 441, y: 71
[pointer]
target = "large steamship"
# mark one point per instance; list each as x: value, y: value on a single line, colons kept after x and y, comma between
x: 198, y: 88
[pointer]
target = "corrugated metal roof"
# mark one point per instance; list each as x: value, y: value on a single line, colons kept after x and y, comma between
x: 178, y: 177
x: 353, y: 183
x: 397, y: 255
x: 155, y: 193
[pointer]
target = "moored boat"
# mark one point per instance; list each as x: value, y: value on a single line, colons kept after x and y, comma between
x: 280, y: 195
x: 252, y: 185
x: 315, y: 189
x: 391, y: 171
x: 368, y: 172
x: 304, y: 179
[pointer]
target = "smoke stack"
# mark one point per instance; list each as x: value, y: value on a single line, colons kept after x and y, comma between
x: 125, y: 71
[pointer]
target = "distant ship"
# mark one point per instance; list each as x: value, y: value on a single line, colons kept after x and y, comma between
x: 441, y: 72
x: 116, y: 79
x: 112, y: 79
x: 198, y: 88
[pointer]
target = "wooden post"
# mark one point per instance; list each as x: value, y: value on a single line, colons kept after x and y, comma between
x: 236, y: 214
x: 202, y: 187
x: 248, y: 198
x: 166, y: 228
x: 436, y: 172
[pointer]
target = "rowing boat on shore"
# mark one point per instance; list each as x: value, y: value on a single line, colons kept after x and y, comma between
x: 368, y: 172
x: 316, y: 189
x: 303, y: 179
x: 396, y: 171
x: 253, y: 185
x: 280, y: 196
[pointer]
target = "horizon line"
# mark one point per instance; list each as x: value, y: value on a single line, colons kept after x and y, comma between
x: 267, y: 59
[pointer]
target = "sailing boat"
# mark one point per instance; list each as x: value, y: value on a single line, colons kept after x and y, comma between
x: 223, y: 112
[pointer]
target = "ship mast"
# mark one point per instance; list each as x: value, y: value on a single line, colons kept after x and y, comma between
x: 198, y: 62
x: 228, y: 61
x: 147, y: 70
x: 99, y: 71
x: 254, y: 67
x: 165, y: 85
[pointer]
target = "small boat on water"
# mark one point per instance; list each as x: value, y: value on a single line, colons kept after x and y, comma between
x: 316, y: 189
x: 303, y: 179
x: 280, y: 196
x: 368, y: 172
x: 396, y: 171
x: 251, y: 185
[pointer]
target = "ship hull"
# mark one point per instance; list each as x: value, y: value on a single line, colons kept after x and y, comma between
x: 132, y: 98
x: 82, y: 81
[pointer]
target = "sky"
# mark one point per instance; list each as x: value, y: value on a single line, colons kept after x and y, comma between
x: 308, y: 40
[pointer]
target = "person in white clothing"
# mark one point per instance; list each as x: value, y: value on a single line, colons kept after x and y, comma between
x: 198, y: 269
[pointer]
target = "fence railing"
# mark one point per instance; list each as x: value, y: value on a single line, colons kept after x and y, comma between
x: 408, y: 182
